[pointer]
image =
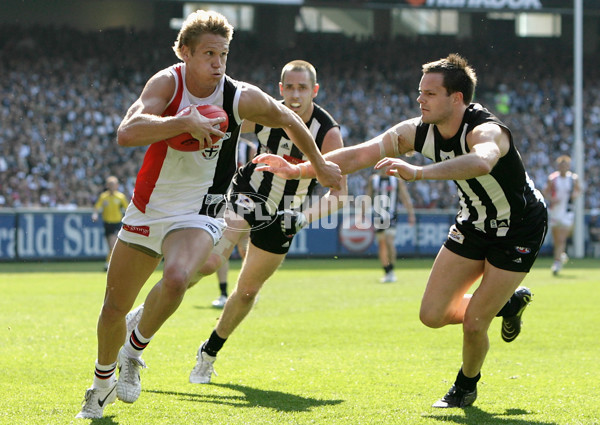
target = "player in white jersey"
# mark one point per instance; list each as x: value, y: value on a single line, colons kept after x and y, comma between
x: 384, y: 192
x: 562, y: 188
x: 173, y: 213
x: 499, y: 229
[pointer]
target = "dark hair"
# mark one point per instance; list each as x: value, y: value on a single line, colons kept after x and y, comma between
x: 458, y: 75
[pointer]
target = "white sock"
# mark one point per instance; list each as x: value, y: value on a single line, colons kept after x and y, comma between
x: 104, y: 375
x: 136, y: 343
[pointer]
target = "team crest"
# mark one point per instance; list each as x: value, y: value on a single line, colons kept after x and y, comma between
x: 522, y: 249
x: 212, y: 152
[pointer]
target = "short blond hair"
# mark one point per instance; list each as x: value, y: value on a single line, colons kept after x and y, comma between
x: 198, y: 23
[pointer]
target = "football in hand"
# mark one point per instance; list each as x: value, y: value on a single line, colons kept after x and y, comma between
x: 185, y: 142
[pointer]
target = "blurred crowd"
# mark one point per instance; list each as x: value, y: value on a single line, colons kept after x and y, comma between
x: 64, y: 92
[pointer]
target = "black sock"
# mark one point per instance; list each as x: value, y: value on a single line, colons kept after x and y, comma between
x: 223, y: 288
x: 510, y: 308
x: 388, y: 268
x: 465, y: 383
x: 214, y: 344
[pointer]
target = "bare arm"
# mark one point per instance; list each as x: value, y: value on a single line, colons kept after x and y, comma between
x: 258, y: 107
x: 396, y: 141
x: 488, y: 143
x: 406, y: 201
x: 144, y: 125
x: 333, y: 199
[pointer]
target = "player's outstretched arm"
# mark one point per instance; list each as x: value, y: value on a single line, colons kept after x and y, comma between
x: 258, y: 107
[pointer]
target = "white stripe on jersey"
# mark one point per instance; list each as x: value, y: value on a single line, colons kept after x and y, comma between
x: 278, y: 184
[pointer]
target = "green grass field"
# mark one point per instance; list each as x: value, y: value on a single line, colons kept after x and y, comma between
x: 325, y: 344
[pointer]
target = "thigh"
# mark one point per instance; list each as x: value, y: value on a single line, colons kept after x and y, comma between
x: 496, y: 288
x: 259, y: 265
x: 129, y: 269
x: 186, y: 250
x: 450, y: 278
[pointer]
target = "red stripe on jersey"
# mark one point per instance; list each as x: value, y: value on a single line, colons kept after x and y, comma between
x: 155, y: 155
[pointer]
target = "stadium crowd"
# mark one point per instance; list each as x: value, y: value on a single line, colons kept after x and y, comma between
x: 64, y: 92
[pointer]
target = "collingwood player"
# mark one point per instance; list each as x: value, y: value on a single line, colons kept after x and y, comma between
x: 498, y: 230
x: 385, y: 192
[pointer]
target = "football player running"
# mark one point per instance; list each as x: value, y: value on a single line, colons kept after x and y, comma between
x: 498, y: 230
x: 173, y: 211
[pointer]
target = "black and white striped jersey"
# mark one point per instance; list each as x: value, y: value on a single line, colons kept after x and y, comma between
x: 384, y: 192
x: 281, y: 192
x: 495, y: 203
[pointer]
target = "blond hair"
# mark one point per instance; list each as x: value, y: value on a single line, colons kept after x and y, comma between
x: 198, y: 23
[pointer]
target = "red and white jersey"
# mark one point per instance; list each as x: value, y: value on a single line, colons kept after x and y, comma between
x: 562, y: 189
x: 172, y: 182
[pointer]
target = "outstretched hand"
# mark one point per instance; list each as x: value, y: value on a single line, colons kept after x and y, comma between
x: 399, y: 168
x: 277, y: 165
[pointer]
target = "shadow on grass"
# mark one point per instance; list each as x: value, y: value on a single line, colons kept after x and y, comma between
x: 253, y: 397
x: 475, y: 416
x: 106, y: 420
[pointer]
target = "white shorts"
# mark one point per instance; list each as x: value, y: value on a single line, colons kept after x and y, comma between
x: 562, y: 218
x: 150, y: 233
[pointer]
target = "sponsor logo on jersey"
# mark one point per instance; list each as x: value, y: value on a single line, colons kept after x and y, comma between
x: 285, y: 146
x: 496, y: 224
x: 522, y: 249
x: 212, y: 199
x: 245, y: 202
x: 456, y: 235
x: 140, y: 230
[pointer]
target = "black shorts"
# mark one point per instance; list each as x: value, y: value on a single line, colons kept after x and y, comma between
x: 265, y: 228
x: 111, y: 228
x: 515, y: 252
x: 391, y: 229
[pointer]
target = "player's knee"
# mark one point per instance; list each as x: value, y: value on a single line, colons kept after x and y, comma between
x: 473, y: 326
x: 212, y: 264
x: 247, y: 295
x: 113, y: 311
x: 431, y: 318
x: 175, y: 280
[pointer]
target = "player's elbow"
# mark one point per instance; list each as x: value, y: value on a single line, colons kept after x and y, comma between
x: 484, y: 166
x: 124, y: 137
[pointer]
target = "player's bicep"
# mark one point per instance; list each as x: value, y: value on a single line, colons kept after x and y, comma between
x: 401, y: 138
x: 155, y: 96
x: 332, y: 140
x: 258, y: 107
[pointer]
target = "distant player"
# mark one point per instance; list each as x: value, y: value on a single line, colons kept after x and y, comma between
x: 111, y: 204
x: 384, y: 191
x: 562, y: 189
